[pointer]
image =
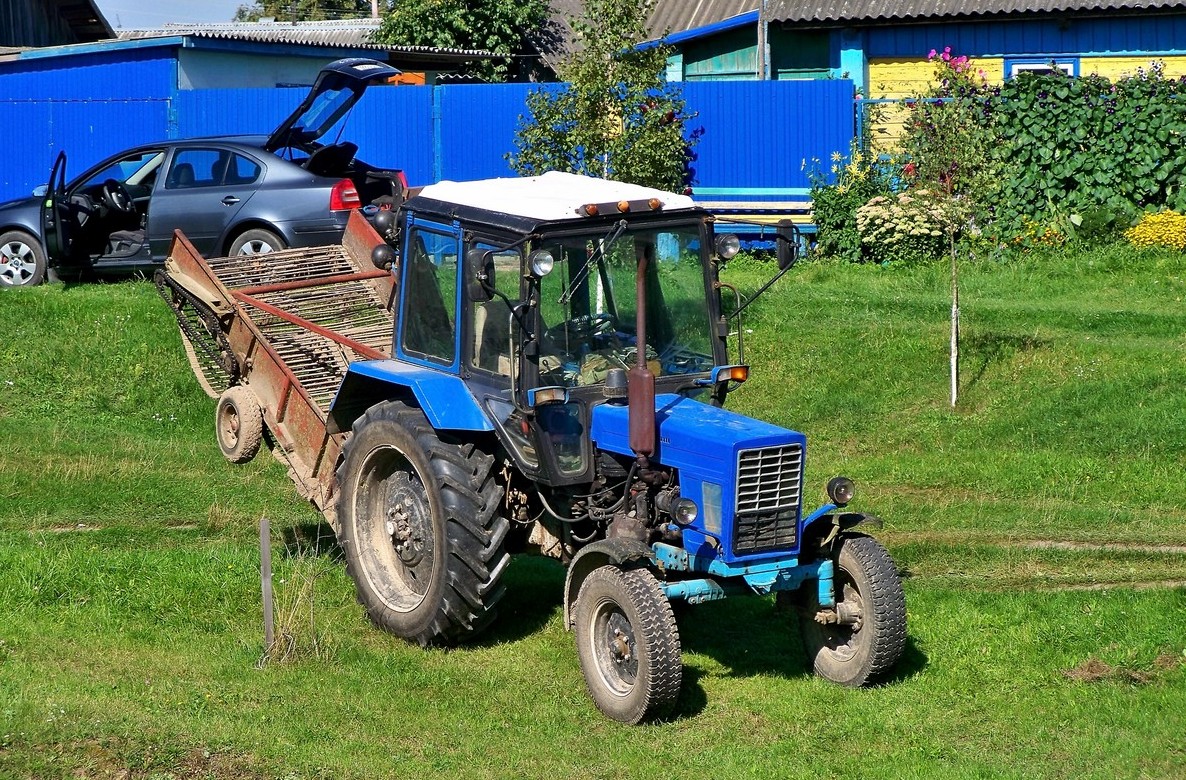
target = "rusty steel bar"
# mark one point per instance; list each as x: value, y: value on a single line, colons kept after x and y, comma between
x: 301, y: 284
x: 360, y: 348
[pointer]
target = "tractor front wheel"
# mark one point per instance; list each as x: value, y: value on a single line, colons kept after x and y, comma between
x: 864, y: 636
x: 628, y: 644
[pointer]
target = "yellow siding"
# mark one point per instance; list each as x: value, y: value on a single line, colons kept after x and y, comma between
x: 1114, y: 68
x: 903, y: 78
x: 893, y: 78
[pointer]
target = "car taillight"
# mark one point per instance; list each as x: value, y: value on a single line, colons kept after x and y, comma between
x: 344, y: 196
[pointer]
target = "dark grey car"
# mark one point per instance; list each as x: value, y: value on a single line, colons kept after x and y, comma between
x: 229, y: 195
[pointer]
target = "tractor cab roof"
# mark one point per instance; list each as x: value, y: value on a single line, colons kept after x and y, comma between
x: 528, y: 203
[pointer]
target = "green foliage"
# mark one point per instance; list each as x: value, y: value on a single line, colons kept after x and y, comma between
x: 1087, y: 146
x: 837, y: 194
x: 305, y: 10
x: 490, y: 25
x: 616, y: 117
x: 950, y: 138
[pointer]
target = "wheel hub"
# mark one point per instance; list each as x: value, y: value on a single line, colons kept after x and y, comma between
x: 407, y: 522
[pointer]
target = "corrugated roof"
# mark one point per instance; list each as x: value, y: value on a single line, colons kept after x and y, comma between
x: 679, y: 15
x: 342, y: 34
x: 910, y: 10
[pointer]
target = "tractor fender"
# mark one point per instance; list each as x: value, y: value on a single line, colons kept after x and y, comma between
x: 625, y: 553
x: 826, y: 526
x: 446, y: 401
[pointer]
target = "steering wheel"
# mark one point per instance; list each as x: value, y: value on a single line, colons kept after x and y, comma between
x: 117, y: 198
x: 583, y: 328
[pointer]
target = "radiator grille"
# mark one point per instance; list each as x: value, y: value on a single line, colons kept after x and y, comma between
x: 769, y: 481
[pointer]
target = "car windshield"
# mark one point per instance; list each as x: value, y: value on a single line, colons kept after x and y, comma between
x: 588, y: 305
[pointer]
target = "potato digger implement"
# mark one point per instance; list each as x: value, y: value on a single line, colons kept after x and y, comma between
x: 537, y: 364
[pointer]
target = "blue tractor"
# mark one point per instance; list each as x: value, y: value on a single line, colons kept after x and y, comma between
x: 556, y: 384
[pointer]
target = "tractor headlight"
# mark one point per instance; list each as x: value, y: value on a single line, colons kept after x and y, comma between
x: 841, y: 490
x: 540, y: 262
x: 728, y: 245
x: 685, y: 512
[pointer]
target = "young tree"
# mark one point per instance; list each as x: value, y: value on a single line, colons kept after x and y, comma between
x: 500, y: 26
x: 306, y: 10
x: 616, y: 117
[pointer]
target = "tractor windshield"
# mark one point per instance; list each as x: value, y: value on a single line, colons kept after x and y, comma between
x: 588, y: 305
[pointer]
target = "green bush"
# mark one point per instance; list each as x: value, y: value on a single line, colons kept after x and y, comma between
x: 837, y: 195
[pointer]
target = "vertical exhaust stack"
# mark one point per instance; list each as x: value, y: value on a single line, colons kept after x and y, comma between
x: 641, y: 382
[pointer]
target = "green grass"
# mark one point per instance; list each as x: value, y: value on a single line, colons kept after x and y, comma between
x: 1039, y: 527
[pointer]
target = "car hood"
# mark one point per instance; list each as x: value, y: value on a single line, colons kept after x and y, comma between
x: 338, y: 87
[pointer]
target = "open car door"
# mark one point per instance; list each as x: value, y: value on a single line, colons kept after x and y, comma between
x: 339, y: 86
x: 55, y: 218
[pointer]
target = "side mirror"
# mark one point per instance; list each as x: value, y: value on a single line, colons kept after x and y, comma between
x: 479, y: 275
x: 40, y: 191
x: 787, y: 242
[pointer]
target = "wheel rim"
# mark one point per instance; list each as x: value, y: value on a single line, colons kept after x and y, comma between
x: 614, y: 648
x: 395, y: 527
x: 228, y: 425
x: 17, y: 263
x: 844, y: 642
x: 257, y: 246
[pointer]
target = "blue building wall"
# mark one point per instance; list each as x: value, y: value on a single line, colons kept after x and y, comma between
x: 753, y: 135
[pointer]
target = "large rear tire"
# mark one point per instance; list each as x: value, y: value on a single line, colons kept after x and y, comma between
x: 628, y: 644
x: 869, y: 591
x: 419, y: 527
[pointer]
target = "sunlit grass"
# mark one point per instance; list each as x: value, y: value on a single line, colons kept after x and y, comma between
x: 1039, y: 527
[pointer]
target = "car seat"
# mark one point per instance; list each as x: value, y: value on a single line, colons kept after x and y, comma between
x: 181, y: 176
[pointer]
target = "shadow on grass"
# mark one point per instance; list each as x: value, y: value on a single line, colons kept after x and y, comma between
x: 311, y: 539
x: 984, y: 349
x: 534, y: 595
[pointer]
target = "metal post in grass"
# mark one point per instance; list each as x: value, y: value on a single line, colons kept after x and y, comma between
x: 265, y: 579
x: 955, y: 325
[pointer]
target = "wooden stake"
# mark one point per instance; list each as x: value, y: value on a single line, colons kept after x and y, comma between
x: 265, y: 578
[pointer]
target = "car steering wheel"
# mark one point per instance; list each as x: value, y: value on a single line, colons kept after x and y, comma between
x: 117, y: 198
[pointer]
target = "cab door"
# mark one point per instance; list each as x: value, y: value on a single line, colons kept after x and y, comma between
x: 427, y: 331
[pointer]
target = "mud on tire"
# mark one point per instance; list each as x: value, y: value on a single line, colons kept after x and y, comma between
x: 419, y: 527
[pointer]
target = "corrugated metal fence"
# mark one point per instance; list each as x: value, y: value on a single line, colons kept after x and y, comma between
x: 753, y: 135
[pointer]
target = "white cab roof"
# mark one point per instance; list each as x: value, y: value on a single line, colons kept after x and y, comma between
x: 552, y: 196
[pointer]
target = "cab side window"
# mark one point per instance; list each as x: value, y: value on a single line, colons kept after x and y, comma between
x: 430, y: 288
x: 491, y: 321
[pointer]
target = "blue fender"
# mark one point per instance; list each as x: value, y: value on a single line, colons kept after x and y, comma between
x: 606, y: 552
x: 447, y: 402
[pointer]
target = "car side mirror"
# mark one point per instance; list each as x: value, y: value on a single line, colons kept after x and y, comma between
x: 787, y: 242
x: 479, y: 275
x: 40, y: 191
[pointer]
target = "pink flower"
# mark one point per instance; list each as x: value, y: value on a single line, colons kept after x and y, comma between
x: 909, y: 169
x: 932, y: 55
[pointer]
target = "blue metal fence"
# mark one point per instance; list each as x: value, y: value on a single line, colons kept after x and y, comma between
x: 754, y: 136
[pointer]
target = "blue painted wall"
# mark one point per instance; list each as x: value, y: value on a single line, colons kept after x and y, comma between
x: 752, y: 134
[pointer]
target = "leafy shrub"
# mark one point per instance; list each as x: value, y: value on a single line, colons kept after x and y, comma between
x: 836, y: 197
x: 1165, y: 228
x: 1090, y: 149
x: 911, y: 227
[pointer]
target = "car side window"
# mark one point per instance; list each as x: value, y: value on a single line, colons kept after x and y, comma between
x: 209, y: 168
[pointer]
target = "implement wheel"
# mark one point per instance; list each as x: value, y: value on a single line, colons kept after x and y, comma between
x: 628, y: 644
x: 239, y: 424
x: 420, y: 528
x: 871, y: 635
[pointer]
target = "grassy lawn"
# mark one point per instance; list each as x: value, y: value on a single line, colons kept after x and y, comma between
x: 1040, y: 527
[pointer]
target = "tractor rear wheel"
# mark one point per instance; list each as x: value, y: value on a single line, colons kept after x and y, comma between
x: 628, y: 644
x: 871, y: 633
x: 239, y: 424
x: 419, y: 526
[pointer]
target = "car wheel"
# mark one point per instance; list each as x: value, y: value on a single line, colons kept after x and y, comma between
x: 22, y: 260
x: 256, y: 242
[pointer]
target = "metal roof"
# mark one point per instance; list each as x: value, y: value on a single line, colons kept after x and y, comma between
x: 679, y: 15
x: 341, y: 34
